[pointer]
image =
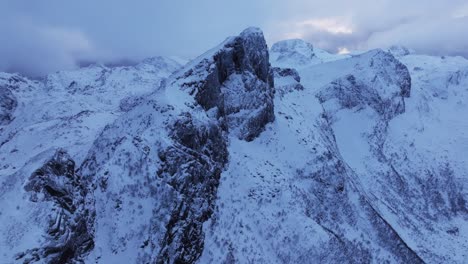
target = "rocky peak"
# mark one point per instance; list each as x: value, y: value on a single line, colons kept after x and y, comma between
x: 236, y: 79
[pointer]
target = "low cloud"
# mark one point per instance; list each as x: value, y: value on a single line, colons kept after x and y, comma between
x: 39, y: 38
x: 434, y: 36
x: 430, y: 26
x: 36, y: 50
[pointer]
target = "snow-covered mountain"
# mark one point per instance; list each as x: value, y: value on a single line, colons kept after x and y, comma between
x: 243, y: 155
x: 53, y: 123
x: 299, y: 53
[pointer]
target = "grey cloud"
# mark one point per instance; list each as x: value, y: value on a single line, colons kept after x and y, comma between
x: 42, y: 36
x: 115, y: 30
x: 36, y: 50
x: 430, y: 26
x: 438, y: 37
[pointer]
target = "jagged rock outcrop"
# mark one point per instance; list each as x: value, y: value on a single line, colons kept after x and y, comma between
x: 237, y: 81
x: 193, y: 168
x: 69, y: 234
x: 287, y: 72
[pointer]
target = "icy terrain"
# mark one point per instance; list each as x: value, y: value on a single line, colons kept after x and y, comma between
x: 64, y: 112
x: 243, y: 155
x: 364, y: 163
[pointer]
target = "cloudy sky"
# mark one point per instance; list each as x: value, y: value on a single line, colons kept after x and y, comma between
x: 39, y: 37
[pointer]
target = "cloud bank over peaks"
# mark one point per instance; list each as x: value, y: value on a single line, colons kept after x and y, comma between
x: 39, y: 37
x: 35, y: 49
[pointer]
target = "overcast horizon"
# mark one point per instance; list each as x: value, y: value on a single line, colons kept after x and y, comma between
x: 41, y: 37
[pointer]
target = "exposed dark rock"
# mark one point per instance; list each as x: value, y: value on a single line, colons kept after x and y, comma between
x: 193, y: 167
x: 390, y: 71
x: 237, y: 80
x: 70, y: 232
x: 285, y: 72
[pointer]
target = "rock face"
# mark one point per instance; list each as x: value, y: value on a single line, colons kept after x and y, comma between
x: 237, y: 81
x: 69, y: 234
x: 197, y: 183
x: 7, y: 106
